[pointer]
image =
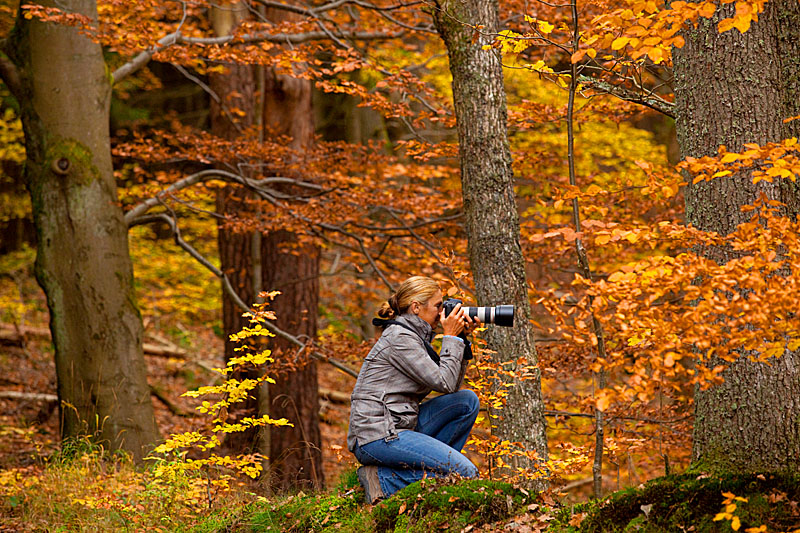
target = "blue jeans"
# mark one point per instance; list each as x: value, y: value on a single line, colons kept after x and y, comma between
x: 433, y: 449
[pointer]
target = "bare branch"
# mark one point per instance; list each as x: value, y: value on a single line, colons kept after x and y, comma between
x: 229, y: 290
x: 647, y: 99
x: 210, y: 175
x: 144, y: 57
x: 282, y: 38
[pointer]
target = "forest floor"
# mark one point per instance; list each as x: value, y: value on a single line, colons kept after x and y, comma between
x: 29, y: 423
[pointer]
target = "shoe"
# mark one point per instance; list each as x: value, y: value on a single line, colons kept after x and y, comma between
x: 368, y: 477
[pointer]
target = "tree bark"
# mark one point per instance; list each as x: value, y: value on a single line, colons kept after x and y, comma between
x: 732, y: 89
x: 491, y: 219
x: 295, y: 458
x: 235, y: 89
x: 295, y: 452
x: 82, y: 262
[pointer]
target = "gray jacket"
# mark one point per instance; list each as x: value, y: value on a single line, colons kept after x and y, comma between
x: 394, y: 378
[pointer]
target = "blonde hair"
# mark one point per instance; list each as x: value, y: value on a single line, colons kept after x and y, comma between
x: 414, y: 289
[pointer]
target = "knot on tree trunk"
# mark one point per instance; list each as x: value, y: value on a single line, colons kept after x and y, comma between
x: 61, y: 166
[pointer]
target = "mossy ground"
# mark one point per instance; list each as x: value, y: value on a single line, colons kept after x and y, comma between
x: 430, y: 505
x: 686, y: 502
x: 690, y: 502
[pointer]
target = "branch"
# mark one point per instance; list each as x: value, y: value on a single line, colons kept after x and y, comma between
x: 9, y: 72
x: 210, y: 175
x: 229, y: 290
x: 144, y: 57
x: 282, y: 38
x: 653, y: 102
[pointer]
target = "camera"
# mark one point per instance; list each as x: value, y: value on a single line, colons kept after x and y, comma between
x: 501, y: 315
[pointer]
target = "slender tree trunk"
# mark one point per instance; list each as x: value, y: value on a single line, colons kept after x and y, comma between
x: 82, y: 262
x: 295, y: 454
x: 491, y: 219
x: 732, y: 89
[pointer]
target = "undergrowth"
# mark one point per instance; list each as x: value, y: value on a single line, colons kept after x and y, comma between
x: 83, y: 488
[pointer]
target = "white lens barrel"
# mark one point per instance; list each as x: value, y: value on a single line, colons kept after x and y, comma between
x: 484, y: 314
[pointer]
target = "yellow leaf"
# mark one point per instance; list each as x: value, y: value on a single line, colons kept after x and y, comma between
x: 545, y: 27
x: 603, y: 402
x: 591, y: 52
x: 730, y: 158
x: 656, y: 55
x: 708, y: 9
x: 735, y: 523
x: 619, y: 43
x: 742, y: 23
x: 601, y: 240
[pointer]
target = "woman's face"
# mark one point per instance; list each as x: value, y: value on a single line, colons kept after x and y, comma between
x: 429, y: 311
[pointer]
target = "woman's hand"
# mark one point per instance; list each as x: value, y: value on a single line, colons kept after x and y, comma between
x: 458, y: 322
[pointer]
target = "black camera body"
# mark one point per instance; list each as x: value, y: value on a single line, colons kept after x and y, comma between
x: 500, y: 315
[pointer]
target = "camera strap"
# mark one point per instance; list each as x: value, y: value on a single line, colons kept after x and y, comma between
x: 383, y: 323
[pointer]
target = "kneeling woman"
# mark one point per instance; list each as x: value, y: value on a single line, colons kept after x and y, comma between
x: 398, y: 439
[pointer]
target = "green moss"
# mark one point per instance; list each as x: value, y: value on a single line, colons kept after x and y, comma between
x: 315, y: 512
x: 78, y: 155
x: 675, y: 503
x: 442, y: 506
x: 431, y: 505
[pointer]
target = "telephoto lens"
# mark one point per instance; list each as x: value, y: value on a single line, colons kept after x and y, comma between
x: 500, y: 315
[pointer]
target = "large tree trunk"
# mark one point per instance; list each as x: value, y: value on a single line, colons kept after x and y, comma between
x: 732, y: 89
x: 491, y: 219
x: 82, y: 262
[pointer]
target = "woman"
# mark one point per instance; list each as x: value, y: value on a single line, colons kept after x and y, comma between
x: 397, y: 439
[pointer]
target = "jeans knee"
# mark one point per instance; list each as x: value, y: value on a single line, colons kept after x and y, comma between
x: 470, y: 399
x: 470, y: 471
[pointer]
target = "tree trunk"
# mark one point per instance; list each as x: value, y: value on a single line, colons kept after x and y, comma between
x: 295, y: 458
x: 732, y: 89
x: 491, y: 219
x: 235, y: 89
x: 295, y: 452
x: 82, y: 262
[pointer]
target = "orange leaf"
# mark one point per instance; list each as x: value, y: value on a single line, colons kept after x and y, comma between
x: 577, y: 56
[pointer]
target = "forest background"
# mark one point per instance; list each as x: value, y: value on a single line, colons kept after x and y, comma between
x: 169, y: 165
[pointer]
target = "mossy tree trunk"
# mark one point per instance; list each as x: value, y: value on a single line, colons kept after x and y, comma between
x: 83, y: 264
x: 491, y: 218
x: 732, y: 89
